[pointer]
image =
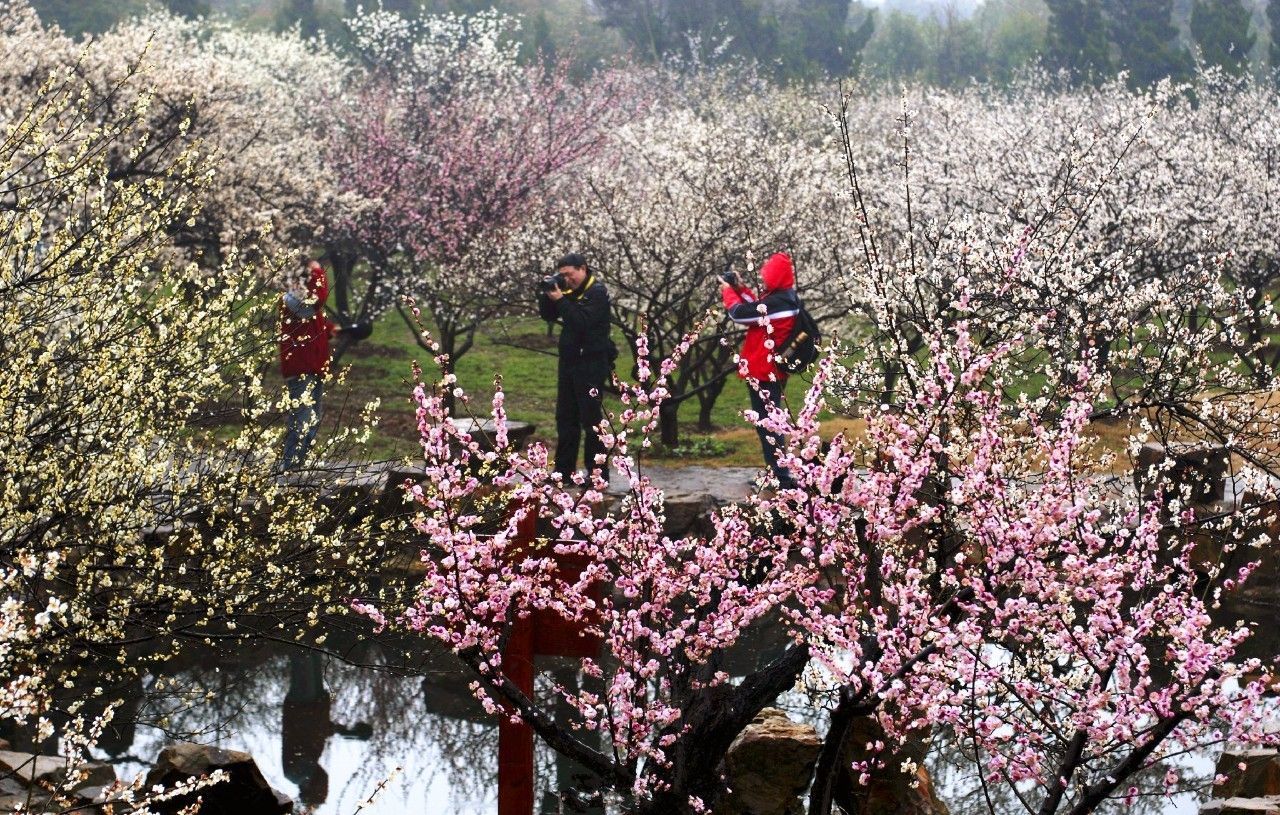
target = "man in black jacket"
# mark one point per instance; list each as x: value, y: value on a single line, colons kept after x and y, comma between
x: 580, y: 302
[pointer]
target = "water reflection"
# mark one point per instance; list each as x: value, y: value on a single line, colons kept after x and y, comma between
x: 327, y: 733
x: 956, y: 777
x: 567, y: 786
x: 958, y: 784
x: 306, y: 726
x: 324, y: 732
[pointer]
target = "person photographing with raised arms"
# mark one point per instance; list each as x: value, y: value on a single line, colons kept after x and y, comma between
x: 781, y: 339
x: 579, y: 301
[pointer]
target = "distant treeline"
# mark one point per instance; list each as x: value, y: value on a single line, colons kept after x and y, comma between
x: 804, y: 40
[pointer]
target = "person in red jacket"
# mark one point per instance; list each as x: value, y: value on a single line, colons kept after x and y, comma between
x: 304, y: 358
x: 769, y: 319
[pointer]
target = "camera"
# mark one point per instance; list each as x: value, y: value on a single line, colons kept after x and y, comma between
x: 553, y: 281
x: 730, y: 277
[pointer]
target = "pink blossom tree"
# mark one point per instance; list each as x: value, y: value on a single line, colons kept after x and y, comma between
x: 953, y: 568
x: 1082, y: 644
x: 1069, y: 712
x: 451, y: 144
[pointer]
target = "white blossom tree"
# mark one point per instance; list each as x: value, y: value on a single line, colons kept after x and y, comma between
x: 253, y: 100
x: 125, y: 510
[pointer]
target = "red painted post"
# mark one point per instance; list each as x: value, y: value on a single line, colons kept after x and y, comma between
x: 540, y: 633
x: 515, y: 740
x: 555, y: 636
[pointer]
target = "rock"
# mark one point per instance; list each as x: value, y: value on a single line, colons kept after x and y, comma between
x: 1242, y: 806
x: 890, y: 791
x: 93, y: 794
x: 20, y: 803
x: 689, y: 514
x: 356, y: 490
x: 28, y: 767
x: 27, y: 779
x: 482, y: 432
x: 14, y: 797
x: 52, y: 771
x: 768, y: 767
x: 245, y: 792
x: 394, y: 501
x: 1259, y: 778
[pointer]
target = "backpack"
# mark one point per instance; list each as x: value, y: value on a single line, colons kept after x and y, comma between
x: 801, y: 348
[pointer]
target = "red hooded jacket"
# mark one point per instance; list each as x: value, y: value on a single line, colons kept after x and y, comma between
x: 778, y: 304
x: 304, y: 331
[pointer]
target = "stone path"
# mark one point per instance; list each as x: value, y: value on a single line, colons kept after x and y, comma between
x: 722, y: 484
x: 678, y: 482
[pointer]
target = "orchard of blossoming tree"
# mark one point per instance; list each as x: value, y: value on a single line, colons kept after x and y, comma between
x: 1039, y: 303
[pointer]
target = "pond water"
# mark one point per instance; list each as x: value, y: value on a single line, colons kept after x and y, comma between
x: 324, y: 732
x: 961, y: 788
x: 328, y: 733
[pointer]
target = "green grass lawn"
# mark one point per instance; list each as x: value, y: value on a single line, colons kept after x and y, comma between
x: 521, y: 351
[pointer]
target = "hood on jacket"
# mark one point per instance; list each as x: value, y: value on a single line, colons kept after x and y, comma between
x: 777, y: 273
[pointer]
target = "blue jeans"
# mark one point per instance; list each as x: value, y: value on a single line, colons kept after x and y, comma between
x: 771, y: 391
x: 305, y: 392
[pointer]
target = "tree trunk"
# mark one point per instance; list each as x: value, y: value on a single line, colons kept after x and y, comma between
x: 668, y: 426
x: 449, y: 366
x: 342, y: 266
x: 707, y: 401
x: 889, y: 371
x: 447, y: 342
x: 826, y: 774
x: 1104, y: 354
x: 709, y: 723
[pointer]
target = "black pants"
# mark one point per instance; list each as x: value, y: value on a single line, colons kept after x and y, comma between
x: 579, y: 408
x: 770, y: 393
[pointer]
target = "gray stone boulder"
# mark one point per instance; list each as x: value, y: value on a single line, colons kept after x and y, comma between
x: 25, y: 780
x: 51, y: 771
x: 1258, y: 778
x: 245, y: 792
x: 769, y: 766
x: 1198, y: 469
x: 1242, y: 806
x: 15, y: 797
x: 1251, y: 786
